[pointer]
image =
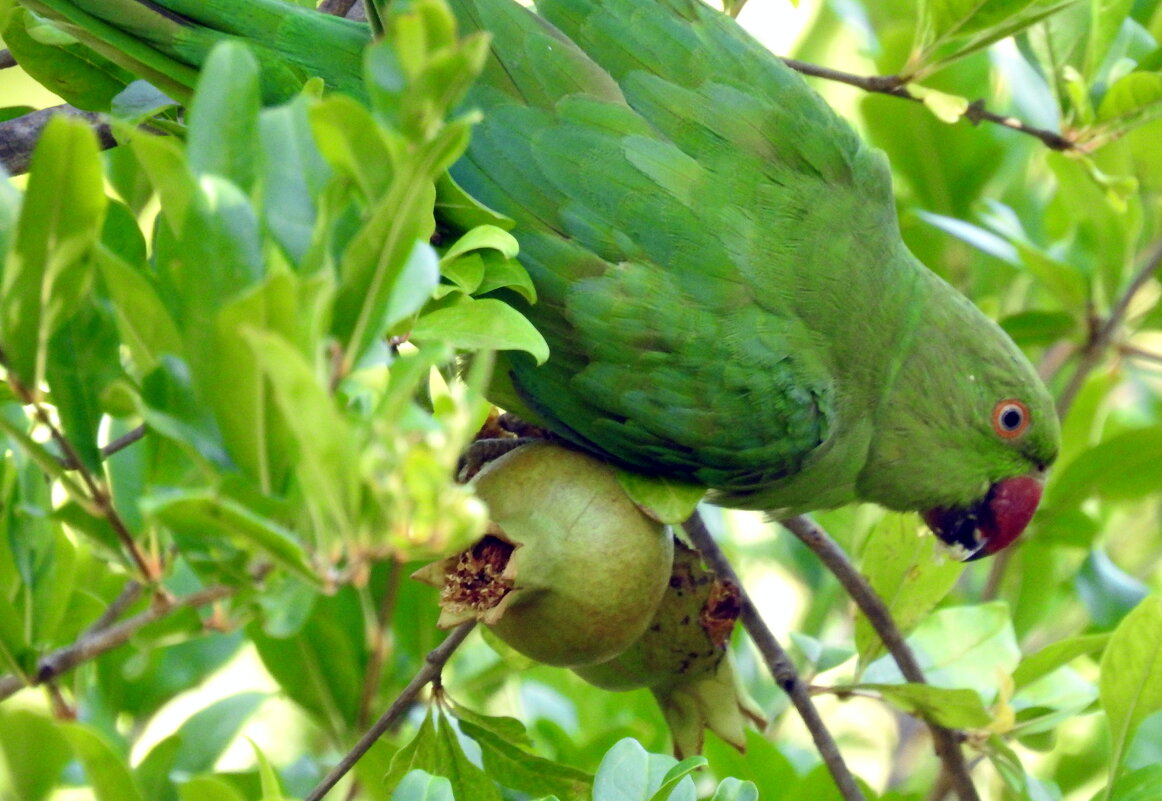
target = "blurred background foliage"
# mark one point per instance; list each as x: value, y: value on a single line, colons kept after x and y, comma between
x: 240, y: 294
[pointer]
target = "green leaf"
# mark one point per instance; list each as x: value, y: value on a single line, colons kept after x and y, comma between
x: 959, y: 647
x: 209, y: 788
x: 1119, y: 468
x: 482, y: 237
x: 253, y: 428
x: 510, y: 730
x: 463, y: 211
x: 468, y: 781
x: 271, y: 786
x: 667, y: 500
x: 164, y: 164
x: 954, y: 709
x: 732, y: 789
x: 1007, y: 763
x: 352, y: 143
x: 153, y: 771
x: 1131, y: 675
x: 435, y: 748
x: 952, y: 29
x: 15, y: 654
x: 294, y: 175
x: 1109, y: 593
x: 629, y: 773
x: 1056, y: 655
x: 465, y: 274
x: 147, y: 329
x: 679, y: 774
x: 139, y: 101
x: 107, y: 771
x: 322, y: 666
x: 481, y: 324
x: 46, y: 270
x: 508, y: 764
x: 507, y: 274
x: 83, y: 360
x: 208, y: 732
x: 223, y: 134
x: 327, y: 455
x: 907, y: 569
x: 422, y: 786
x: 206, y: 512
x: 982, y: 239
x: 33, y: 752
x: 1133, y: 100
x: 1031, y: 329
x: 1143, y: 784
x: 419, y: 751
x: 763, y: 764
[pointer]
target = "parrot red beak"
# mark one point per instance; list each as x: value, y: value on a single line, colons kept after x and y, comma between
x: 994, y: 522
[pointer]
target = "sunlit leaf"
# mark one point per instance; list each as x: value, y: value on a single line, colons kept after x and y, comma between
x: 1131, y: 675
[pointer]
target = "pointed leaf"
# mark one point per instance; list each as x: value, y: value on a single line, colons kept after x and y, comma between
x: 223, y: 133
x: 107, y: 771
x: 46, y: 267
x: 1131, y: 674
x: 481, y: 324
x: 327, y: 459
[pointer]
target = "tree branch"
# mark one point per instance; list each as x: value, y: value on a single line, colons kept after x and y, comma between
x: 433, y: 665
x: 946, y: 741
x: 98, y: 641
x: 18, y: 137
x: 6, y: 60
x: 778, y: 663
x: 896, y: 86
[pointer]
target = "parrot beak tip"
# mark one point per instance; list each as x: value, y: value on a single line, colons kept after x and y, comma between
x: 991, y: 524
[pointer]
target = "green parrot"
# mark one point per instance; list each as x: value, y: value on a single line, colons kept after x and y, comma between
x: 720, y: 271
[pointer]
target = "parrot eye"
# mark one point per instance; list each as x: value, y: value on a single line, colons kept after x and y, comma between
x: 1010, y: 418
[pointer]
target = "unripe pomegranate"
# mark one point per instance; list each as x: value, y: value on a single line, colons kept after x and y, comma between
x: 684, y: 659
x: 569, y: 572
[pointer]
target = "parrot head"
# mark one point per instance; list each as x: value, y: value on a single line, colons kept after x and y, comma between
x: 966, y: 433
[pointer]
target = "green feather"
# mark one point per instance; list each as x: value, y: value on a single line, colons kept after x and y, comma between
x: 718, y: 265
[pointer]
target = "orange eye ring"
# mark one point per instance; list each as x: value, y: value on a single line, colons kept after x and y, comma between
x: 1010, y: 418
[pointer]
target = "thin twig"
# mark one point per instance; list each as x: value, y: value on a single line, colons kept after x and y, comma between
x: 1134, y: 352
x: 90, y: 646
x: 778, y: 663
x: 6, y: 59
x: 896, y: 86
x: 378, y: 646
x: 119, y: 444
x: 1094, y: 350
x: 128, y: 596
x: 433, y: 665
x: 97, y: 494
x: 834, y: 559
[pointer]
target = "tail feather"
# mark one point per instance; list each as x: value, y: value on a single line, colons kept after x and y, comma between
x: 166, y: 41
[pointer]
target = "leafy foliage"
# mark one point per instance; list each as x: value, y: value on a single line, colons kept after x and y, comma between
x: 242, y: 361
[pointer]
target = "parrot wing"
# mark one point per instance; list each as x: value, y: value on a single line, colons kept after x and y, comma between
x: 663, y: 355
